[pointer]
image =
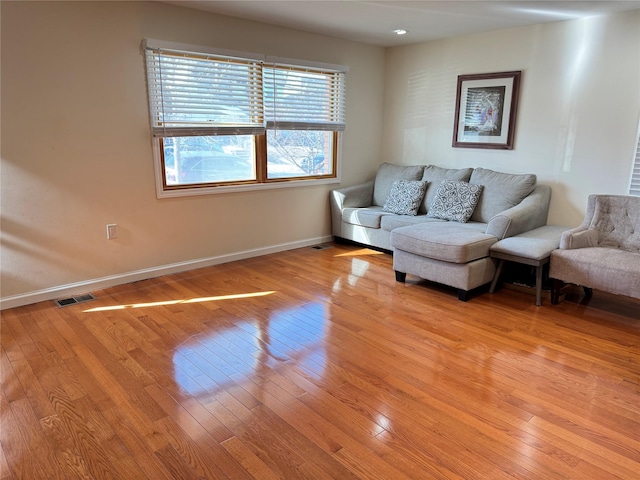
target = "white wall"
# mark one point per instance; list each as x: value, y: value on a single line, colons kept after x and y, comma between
x: 578, y: 111
x: 76, y: 150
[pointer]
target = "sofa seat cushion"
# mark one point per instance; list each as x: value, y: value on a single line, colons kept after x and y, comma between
x: 608, y: 269
x: 445, y: 241
x: 364, y: 216
x: 389, y: 222
x: 536, y: 244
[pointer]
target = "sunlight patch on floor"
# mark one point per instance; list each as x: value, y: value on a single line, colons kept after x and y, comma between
x: 362, y: 251
x: 175, y: 302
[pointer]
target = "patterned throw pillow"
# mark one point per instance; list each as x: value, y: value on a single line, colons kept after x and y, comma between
x: 405, y: 197
x: 455, y: 201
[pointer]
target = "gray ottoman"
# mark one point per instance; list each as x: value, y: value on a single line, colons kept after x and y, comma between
x: 449, y: 253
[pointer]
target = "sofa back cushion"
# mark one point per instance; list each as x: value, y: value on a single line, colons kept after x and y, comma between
x: 435, y: 175
x: 501, y: 191
x: 617, y: 219
x: 389, y: 173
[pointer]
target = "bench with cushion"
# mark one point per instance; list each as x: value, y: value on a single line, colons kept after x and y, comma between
x: 529, y: 248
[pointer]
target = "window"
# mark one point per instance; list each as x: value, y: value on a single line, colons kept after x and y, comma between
x: 223, y: 121
x: 634, y: 187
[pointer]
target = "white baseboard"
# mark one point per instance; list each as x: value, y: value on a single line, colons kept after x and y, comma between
x: 73, y: 289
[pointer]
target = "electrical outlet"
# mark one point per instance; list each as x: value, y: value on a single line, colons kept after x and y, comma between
x: 112, y: 231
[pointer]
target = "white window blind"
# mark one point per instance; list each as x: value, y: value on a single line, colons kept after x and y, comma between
x: 304, y: 98
x: 194, y: 94
x: 634, y: 189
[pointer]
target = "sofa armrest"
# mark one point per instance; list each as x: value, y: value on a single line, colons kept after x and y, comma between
x: 360, y: 195
x: 355, y: 196
x: 579, y: 237
x: 529, y: 214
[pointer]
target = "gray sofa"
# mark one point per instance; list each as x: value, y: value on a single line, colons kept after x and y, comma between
x: 427, y: 244
x: 603, y: 252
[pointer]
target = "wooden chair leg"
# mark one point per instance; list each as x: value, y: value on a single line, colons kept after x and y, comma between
x: 588, y: 293
x: 556, y: 286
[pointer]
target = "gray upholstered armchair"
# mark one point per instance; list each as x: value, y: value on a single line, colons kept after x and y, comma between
x: 604, y: 251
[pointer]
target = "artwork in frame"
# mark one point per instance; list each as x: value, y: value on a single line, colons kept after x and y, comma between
x: 486, y: 108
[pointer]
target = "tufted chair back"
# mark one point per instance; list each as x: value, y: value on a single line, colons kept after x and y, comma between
x: 617, y: 220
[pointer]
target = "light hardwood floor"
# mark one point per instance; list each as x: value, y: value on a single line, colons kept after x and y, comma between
x: 318, y: 364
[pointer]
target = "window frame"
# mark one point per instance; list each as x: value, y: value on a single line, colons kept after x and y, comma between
x: 261, y: 181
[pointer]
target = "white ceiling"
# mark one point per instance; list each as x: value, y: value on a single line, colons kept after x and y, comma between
x: 373, y: 22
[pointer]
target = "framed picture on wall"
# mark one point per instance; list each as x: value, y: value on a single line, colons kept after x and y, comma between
x: 486, y: 108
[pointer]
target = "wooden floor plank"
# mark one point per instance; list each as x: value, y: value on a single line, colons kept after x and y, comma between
x: 16, y: 447
x: 318, y: 364
x: 249, y: 461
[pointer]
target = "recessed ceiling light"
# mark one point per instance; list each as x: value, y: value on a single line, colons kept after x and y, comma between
x: 400, y: 31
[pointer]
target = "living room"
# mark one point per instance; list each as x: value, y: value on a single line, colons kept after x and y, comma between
x: 77, y: 155
x: 92, y: 163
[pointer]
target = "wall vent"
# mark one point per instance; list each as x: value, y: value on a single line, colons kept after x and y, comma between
x: 65, y: 302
